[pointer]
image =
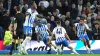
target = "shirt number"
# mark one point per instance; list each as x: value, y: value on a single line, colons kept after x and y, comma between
x: 59, y: 31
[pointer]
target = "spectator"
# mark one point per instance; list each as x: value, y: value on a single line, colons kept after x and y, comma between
x: 1, y: 33
x: 94, y: 5
x: 25, y: 8
x: 96, y: 32
x: 68, y: 17
x: 63, y: 20
x: 4, y: 18
x: 84, y: 15
x: 98, y: 9
x: 7, y: 5
x: 98, y: 16
x: 69, y: 29
x: 45, y: 3
x: 74, y: 12
x: 93, y: 15
x: 58, y: 13
x: 52, y: 23
x: 85, y: 2
x: 51, y: 7
x: 21, y: 4
x: 65, y: 7
x: 42, y: 10
x: 80, y: 2
x: 59, y: 6
x: 55, y: 15
x: 88, y: 9
x: 89, y: 23
x: 14, y: 3
x: 77, y: 20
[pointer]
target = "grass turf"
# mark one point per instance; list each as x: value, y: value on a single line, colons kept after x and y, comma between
x: 55, y: 55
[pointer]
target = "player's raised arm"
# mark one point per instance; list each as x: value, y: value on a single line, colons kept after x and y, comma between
x: 87, y: 27
x: 48, y: 30
x: 66, y: 35
x: 52, y: 36
x: 50, y: 39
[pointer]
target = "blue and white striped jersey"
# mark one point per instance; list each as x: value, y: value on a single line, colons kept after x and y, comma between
x: 31, y: 18
x: 59, y: 33
x: 42, y: 30
x: 81, y: 29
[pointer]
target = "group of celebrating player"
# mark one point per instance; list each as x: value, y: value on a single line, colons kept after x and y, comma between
x: 44, y: 34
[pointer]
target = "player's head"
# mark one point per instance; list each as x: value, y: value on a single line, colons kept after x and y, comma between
x: 43, y: 21
x: 58, y: 22
x: 33, y: 5
x: 39, y: 22
x: 81, y: 21
x: 17, y: 8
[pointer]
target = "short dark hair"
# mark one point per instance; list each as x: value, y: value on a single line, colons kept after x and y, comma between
x: 18, y: 8
x: 82, y: 18
x: 58, y: 22
x: 32, y: 2
x: 96, y: 23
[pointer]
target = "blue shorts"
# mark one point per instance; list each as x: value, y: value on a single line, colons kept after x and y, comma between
x: 46, y: 40
x: 28, y: 30
x: 85, y: 37
x: 64, y: 43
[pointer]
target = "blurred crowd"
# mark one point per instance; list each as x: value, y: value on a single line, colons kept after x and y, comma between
x: 68, y: 11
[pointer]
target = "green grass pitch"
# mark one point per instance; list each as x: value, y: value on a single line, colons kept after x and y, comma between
x: 55, y: 55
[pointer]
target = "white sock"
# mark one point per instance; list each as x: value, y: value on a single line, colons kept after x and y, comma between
x: 52, y: 47
x: 59, y: 48
x: 74, y: 51
x: 88, y: 49
x: 27, y: 39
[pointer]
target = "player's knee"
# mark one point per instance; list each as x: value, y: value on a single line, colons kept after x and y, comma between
x: 70, y: 47
x: 83, y: 40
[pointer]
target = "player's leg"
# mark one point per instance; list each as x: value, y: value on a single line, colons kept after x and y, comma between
x: 88, y: 44
x: 48, y: 45
x: 84, y: 41
x: 28, y: 33
x: 52, y: 46
x: 66, y: 44
x: 24, y: 44
x: 20, y: 39
x: 20, y: 42
x: 13, y: 44
x: 59, y: 47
